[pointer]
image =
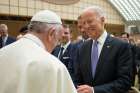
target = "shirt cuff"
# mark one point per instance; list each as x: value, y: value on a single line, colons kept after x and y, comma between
x: 92, y: 90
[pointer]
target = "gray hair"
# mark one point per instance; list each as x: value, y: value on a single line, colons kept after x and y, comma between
x: 96, y: 9
x: 4, y: 26
x: 38, y: 26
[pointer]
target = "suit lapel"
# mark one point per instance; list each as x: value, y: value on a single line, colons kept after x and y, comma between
x: 102, y: 59
x: 56, y: 50
x: 87, y: 59
x: 67, y: 50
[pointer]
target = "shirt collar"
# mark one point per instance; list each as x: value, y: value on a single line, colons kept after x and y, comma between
x: 66, y: 45
x: 6, y: 36
x: 35, y: 39
x: 102, y: 38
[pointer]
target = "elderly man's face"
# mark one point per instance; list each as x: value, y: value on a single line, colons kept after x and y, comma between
x: 3, y: 31
x: 93, y: 24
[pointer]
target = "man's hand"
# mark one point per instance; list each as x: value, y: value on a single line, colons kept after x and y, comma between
x: 85, y: 89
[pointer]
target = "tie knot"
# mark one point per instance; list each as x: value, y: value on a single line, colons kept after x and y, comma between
x: 96, y: 42
x: 62, y: 48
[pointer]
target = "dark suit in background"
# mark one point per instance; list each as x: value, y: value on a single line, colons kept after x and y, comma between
x: 138, y: 62
x: 67, y: 57
x: 134, y: 63
x: 79, y: 43
x: 113, y: 71
x: 138, y: 55
x: 126, y: 38
x: 5, y: 39
x: 8, y: 41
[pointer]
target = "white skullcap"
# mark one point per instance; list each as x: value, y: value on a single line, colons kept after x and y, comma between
x: 47, y: 16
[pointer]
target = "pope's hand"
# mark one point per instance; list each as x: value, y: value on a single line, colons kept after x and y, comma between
x: 85, y: 89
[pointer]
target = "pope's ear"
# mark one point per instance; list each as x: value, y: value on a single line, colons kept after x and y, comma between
x: 51, y: 32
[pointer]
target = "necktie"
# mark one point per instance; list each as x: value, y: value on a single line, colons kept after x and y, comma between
x: 61, y: 52
x: 94, y: 57
x: 3, y: 41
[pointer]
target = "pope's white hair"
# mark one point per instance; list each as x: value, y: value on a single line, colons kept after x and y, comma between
x: 96, y: 9
x: 39, y: 26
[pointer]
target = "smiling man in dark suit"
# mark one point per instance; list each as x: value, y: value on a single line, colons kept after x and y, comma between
x: 104, y: 63
x: 5, y: 39
x: 65, y: 51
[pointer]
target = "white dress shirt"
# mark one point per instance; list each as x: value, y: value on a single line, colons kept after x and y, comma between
x: 101, y: 41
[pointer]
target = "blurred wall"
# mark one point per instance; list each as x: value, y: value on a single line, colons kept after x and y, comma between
x: 69, y: 12
x: 27, y: 8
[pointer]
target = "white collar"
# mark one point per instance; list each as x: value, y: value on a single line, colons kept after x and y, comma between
x: 35, y: 39
x: 66, y: 45
x: 3, y: 37
x: 102, y: 38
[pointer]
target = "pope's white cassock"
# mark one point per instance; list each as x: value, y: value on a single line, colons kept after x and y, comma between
x: 26, y: 67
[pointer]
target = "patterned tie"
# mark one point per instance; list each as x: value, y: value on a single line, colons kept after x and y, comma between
x: 61, y: 52
x: 94, y: 57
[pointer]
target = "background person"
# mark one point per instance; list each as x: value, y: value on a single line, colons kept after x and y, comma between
x: 5, y: 39
x: 65, y: 51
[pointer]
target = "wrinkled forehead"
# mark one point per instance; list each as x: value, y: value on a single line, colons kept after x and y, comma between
x: 88, y: 14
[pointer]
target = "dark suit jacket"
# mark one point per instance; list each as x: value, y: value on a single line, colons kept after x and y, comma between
x: 113, y: 72
x: 8, y: 41
x: 138, y: 55
x: 67, y: 57
x: 79, y: 44
x: 134, y: 63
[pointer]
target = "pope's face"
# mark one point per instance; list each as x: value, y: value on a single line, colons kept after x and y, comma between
x: 52, y: 36
x: 57, y: 36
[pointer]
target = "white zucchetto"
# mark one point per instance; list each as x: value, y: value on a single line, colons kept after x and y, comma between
x: 47, y: 16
